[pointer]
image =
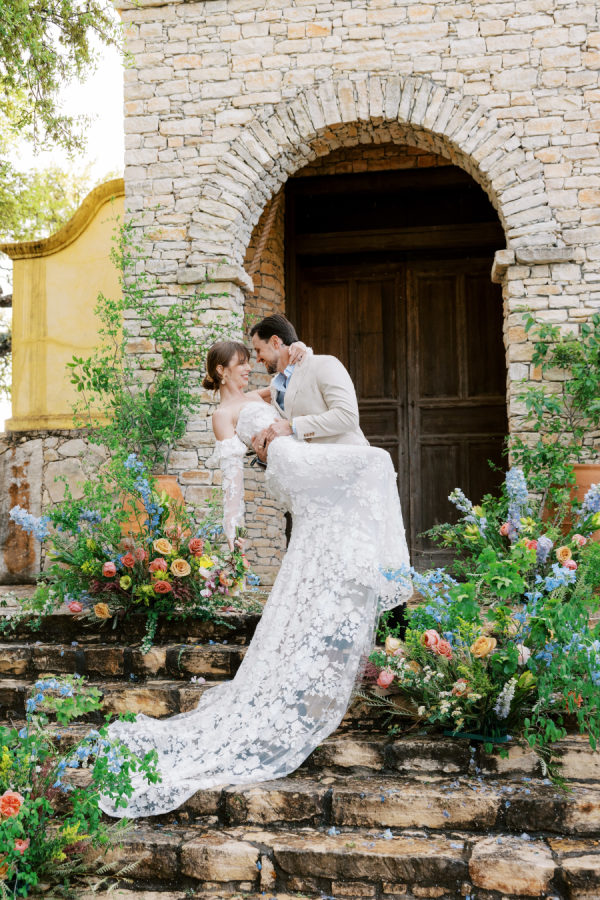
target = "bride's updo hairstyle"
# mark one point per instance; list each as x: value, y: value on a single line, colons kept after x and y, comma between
x: 221, y: 354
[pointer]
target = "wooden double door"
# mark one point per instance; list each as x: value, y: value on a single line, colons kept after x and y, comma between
x: 423, y: 344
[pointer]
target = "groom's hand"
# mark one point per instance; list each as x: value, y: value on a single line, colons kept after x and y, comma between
x: 280, y: 428
x: 260, y: 445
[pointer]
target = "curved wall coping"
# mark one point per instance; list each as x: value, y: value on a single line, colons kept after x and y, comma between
x: 72, y: 229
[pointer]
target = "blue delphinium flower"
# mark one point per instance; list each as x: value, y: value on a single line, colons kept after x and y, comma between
x: 35, y: 525
x: 133, y: 463
x: 93, y: 516
x: 559, y: 578
x: 518, y: 497
x: 462, y: 503
x: 142, y: 486
x: 252, y: 579
x: 544, y: 546
x: 591, y: 502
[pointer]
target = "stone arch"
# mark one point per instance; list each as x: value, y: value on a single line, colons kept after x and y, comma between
x: 372, y: 108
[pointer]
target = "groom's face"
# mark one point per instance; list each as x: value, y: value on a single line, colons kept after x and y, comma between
x: 269, y: 353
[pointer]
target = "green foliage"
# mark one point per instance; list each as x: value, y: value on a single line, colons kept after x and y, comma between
x: 45, y: 45
x: 49, y: 823
x: 562, y: 416
x: 128, y: 411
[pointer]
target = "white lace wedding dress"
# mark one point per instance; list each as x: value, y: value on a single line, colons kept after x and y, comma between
x: 297, y: 676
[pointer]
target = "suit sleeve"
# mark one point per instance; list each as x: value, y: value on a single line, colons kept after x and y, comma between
x: 337, y: 390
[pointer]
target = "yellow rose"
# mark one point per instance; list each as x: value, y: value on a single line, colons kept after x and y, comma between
x: 102, y: 611
x: 205, y: 562
x: 563, y: 554
x: 483, y: 646
x: 162, y: 546
x: 392, y: 644
x: 180, y: 567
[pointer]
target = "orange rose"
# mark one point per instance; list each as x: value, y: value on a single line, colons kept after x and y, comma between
x: 196, y: 546
x: 128, y: 560
x: 162, y: 587
x: 3, y: 871
x: 563, y: 554
x: 162, y: 546
x: 180, y: 568
x: 10, y: 804
x: 140, y: 554
x: 102, y: 611
x: 158, y: 565
x: 483, y: 646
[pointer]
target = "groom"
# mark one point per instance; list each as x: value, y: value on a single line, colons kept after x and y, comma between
x: 317, y: 399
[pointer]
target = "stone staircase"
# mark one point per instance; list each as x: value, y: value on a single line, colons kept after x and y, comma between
x: 366, y: 816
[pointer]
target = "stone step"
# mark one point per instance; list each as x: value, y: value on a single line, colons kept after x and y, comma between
x: 361, y: 863
x: 211, y: 661
x: 63, y: 627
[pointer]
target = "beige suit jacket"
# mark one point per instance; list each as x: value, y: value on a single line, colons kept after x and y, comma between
x: 321, y: 400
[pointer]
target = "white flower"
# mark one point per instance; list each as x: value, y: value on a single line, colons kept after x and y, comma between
x: 421, y: 711
x: 502, y: 707
x: 524, y: 654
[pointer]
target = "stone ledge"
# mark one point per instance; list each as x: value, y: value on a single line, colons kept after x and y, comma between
x: 218, y: 274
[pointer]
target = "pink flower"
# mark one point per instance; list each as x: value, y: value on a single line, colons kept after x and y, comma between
x: 22, y: 845
x: 443, y: 648
x: 430, y: 639
x: 531, y: 545
x: 196, y: 546
x: 158, y: 565
x: 504, y: 529
x: 570, y: 564
x: 162, y: 587
x: 75, y: 606
x: 109, y: 570
x: 128, y: 560
x: 579, y: 539
x: 140, y: 554
x: 386, y: 676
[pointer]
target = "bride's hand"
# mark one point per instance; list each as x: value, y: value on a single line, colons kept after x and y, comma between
x: 297, y: 352
x: 260, y: 446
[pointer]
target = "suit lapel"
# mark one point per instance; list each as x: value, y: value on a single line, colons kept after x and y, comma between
x: 294, y: 386
x: 274, y: 402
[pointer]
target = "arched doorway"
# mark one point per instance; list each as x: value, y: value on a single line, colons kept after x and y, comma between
x: 390, y: 271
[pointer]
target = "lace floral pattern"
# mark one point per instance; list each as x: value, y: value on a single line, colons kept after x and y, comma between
x: 297, y: 676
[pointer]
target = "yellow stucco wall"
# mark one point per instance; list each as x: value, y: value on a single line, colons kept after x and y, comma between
x: 56, y: 283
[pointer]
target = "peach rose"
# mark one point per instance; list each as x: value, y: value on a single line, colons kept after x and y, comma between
x: 128, y: 560
x: 102, y: 611
x: 579, y: 540
x: 109, y: 570
x: 223, y: 579
x: 158, y: 565
x: 483, y: 646
x: 162, y: 587
x: 162, y: 546
x: 3, y: 870
x: 75, y: 606
x: 443, y: 648
x: 460, y: 687
x: 385, y: 678
x: 392, y: 644
x: 22, y: 845
x: 10, y: 804
x: 196, y: 546
x: 140, y: 554
x: 504, y: 529
x: 430, y: 639
x: 531, y: 545
x: 180, y: 568
x: 570, y: 564
x: 414, y: 666
x: 563, y: 554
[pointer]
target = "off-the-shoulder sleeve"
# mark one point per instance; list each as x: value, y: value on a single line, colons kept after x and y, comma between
x: 231, y: 454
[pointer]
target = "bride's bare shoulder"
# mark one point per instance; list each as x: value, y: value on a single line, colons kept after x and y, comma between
x: 223, y: 423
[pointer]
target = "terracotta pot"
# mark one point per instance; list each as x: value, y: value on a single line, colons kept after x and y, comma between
x: 586, y: 474
x: 167, y: 484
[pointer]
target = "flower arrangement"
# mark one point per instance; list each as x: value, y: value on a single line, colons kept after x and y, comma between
x: 50, y: 827
x: 501, y: 644
x: 166, y: 565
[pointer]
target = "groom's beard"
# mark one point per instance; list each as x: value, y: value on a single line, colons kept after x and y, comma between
x: 271, y: 368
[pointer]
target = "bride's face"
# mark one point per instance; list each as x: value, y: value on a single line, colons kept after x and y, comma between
x: 236, y: 373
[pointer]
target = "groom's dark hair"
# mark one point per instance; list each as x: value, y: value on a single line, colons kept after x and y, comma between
x: 278, y: 325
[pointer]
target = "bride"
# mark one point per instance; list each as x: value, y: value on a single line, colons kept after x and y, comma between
x: 340, y: 571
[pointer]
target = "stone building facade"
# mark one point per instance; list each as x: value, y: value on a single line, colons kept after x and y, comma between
x: 236, y: 110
